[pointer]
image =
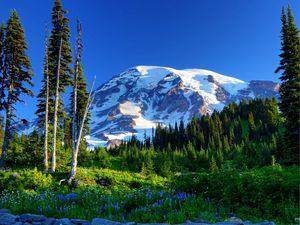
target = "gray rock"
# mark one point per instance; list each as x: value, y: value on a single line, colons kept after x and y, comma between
x: 49, y: 221
x: 192, y: 223
x: 7, y: 219
x: 63, y: 221
x: 264, y: 223
x: 188, y: 222
x: 230, y: 223
x: 18, y: 223
x: 153, y: 224
x: 234, y: 219
x: 99, y: 221
x: 80, y: 222
x: 130, y: 223
x: 32, y: 218
x: 36, y: 223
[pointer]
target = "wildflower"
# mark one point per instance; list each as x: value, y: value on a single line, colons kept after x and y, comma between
x: 42, y: 197
x: 39, y: 209
x: 71, y: 196
x: 61, y: 197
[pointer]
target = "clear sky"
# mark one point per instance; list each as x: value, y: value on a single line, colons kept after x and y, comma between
x: 239, y: 38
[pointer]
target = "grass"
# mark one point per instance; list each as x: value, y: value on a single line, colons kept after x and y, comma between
x: 270, y: 193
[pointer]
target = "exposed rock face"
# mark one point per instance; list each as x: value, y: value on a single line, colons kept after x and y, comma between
x: 264, y: 89
x: 165, y: 95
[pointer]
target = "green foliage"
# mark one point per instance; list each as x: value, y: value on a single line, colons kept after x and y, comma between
x: 25, y: 180
x: 263, y: 192
x: 290, y: 86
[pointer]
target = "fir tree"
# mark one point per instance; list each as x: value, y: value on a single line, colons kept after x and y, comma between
x: 17, y: 75
x: 2, y: 38
x: 60, y: 72
x: 290, y: 86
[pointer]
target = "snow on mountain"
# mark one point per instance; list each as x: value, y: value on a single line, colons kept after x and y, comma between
x: 136, y: 100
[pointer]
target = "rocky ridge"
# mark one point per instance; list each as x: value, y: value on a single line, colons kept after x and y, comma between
x: 135, y: 101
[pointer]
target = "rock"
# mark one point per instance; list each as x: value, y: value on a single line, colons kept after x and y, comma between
x: 99, y: 221
x: 36, y: 223
x: 234, y: 219
x: 49, y: 221
x: 188, y: 222
x: 130, y: 223
x: 297, y: 220
x: 63, y: 221
x: 153, y: 224
x: 4, y: 211
x: 230, y: 223
x: 193, y: 223
x: 264, y: 223
x: 18, y: 223
x: 80, y: 222
x: 32, y: 218
x: 7, y: 219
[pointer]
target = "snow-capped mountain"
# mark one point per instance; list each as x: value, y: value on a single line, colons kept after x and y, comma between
x: 134, y: 101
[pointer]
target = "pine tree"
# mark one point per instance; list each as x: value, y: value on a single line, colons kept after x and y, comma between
x: 290, y: 86
x: 60, y: 73
x: 2, y: 38
x: 17, y: 74
x: 46, y: 74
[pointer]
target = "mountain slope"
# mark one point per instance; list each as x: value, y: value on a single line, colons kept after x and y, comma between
x: 134, y: 101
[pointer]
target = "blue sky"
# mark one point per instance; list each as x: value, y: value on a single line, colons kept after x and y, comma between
x: 240, y: 38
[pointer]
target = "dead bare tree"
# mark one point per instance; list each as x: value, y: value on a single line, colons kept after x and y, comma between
x: 79, y: 136
x: 56, y: 103
x: 74, y: 113
x: 47, y: 105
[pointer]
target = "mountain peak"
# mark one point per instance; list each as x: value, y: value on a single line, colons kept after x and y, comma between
x: 136, y: 100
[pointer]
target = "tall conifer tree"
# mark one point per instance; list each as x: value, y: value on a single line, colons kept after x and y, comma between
x: 2, y: 95
x: 290, y: 86
x: 59, y: 66
x: 16, y: 75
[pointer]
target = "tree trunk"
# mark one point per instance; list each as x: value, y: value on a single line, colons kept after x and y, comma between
x: 46, y: 115
x: 53, y: 160
x: 7, y: 132
x: 75, y: 153
x: 74, y: 122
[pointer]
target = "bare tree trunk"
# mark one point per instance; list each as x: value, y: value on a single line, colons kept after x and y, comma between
x: 46, y: 115
x: 74, y: 122
x: 7, y: 132
x: 74, y: 116
x: 53, y: 160
x: 75, y: 153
